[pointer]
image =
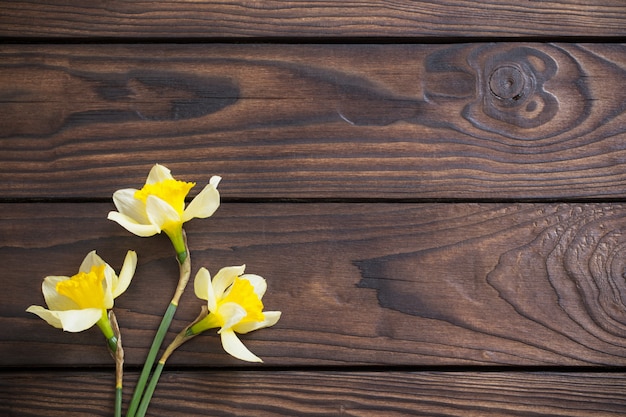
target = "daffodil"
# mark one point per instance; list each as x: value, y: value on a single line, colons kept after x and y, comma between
x: 78, y: 302
x: 234, y: 305
x: 160, y: 206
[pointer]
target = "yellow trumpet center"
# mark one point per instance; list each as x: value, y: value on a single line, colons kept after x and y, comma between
x: 171, y: 191
x: 242, y: 293
x: 85, y: 289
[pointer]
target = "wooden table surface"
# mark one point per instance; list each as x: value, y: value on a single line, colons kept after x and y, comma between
x: 435, y: 192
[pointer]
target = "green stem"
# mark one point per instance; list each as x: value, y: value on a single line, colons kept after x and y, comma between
x: 118, y: 401
x: 184, y: 263
x: 181, y: 338
x: 147, y: 396
x: 179, y: 240
x: 147, y: 367
x: 119, y: 375
x: 105, y: 326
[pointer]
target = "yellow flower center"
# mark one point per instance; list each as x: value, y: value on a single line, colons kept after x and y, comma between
x: 85, y: 289
x: 171, y: 191
x: 242, y: 293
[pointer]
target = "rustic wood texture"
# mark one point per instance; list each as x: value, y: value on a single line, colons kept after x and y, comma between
x: 323, y: 393
x: 358, y: 142
x: 310, y: 19
x: 489, y: 121
x: 358, y: 284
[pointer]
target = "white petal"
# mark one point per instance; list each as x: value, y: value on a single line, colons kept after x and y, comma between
x: 271, y: 317
x: 258, y: 282
x: 143, y: 230
x: 54, y: 300
x: 233, y: 346
x: 158, y: 173
x: 160, y: 212
x: 47, y: 315
x: 204, y: 290
x: 110, y: 280
x: 215, y: 180
x: 78, y: 320
x: 92, y: 259
x: 232, y: 313
x: 204, y: 204
x: 128, y: 205
x: 70, y: 320
x: 108, y: 295
x: 126, y: 274
x: 225, y: 277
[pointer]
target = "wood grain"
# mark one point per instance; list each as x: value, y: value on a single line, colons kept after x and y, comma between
x: 375, y: 284
x: 310, y: 19
x: 392, y: 305
x: 487, y: 121
x: 289, y: 393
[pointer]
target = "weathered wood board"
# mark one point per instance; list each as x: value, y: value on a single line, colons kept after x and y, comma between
x: 329, y: 393
x: 468, y: 121
x: 435, y: 192
x: 297, y: 20
x: 359, y: 284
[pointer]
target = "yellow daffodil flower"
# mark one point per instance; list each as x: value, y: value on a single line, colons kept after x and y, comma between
x: 234, y: 305
x: 78, y: 302
x: 160, y: 206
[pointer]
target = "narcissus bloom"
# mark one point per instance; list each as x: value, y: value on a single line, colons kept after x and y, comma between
x: 160, y: 205
x: 234, y: 305
x: 78, y: 302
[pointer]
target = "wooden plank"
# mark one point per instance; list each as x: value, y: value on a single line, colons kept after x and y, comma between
x: 488, y: 121
x: 289, y: 393
x: 375, y: 284
x: 310, y: 19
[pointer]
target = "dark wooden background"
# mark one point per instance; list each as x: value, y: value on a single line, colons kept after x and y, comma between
x: 435, y: 192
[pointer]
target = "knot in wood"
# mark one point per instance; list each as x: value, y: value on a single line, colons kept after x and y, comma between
x: 507, y: 83
x: 519, y: 91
